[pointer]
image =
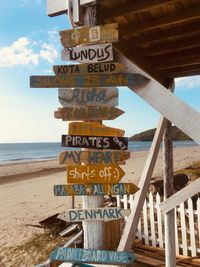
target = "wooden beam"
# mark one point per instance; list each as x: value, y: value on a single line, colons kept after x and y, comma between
x: 172, y: 46
x: 140, y: 60
x: 170, y: 244
x: 170, y: 106
x: 133, y: 219
x: 181, y: 196
x: 186, y: 14
x: 175, y: 31
x: 133, y: 7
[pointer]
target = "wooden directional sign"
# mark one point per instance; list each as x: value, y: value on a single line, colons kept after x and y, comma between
x: 97, y: 214
x: 93, y: 174
x: 88, y: 80
x: 95, y: 189
x: 74, y: 157
x: 92, y: 68
x: 87, y: 113
x: 90, y: 35
x: 92, y: 255
x: 89, y: 54
x: 88, y: 97
x: 93, y: 128
x: 99, y: 142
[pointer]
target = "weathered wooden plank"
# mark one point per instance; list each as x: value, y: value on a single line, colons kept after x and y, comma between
x: 93, y: 174
x: 88, y: 80
x: 93, y: 128
x: 55, y: 8
x: 95, y: 189
x: 89, y: 53
x: 180, y: 196
x: 88, y: 97
x: 59, y: 7
x: 89, y: 35
x: 96, y: 214
x: 87, y: 113
x: 170, y: 106
x: 89, y: 68
x: 99, y: 142
x: 92, y: 255
x: 74, y: 157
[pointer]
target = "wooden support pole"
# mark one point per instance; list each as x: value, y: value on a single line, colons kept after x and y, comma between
x: 93, y: 231
x: 170, y: 247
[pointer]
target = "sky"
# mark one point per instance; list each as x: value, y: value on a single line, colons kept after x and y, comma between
x: 29, y: 45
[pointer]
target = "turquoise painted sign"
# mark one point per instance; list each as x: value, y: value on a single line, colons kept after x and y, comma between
x: 92, y: 255
x: 95, y: 189
x: 76, y: 264
x: 88, y: 80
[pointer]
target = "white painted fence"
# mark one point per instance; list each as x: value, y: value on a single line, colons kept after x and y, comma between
x: 151, y: 225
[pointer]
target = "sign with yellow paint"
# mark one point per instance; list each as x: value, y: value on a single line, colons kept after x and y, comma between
x: 78, y: 157
x: 89, y: 35
x: 94, y: 129
x: 93, y: 174
x: 89, y: 68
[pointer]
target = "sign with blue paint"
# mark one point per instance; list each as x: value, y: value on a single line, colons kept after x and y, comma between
x: 97, y: 214
x: 78, y: 157
x: 88, y: 80
x: 99, y: 142
x: 95, y: 189
x: 92, y: 255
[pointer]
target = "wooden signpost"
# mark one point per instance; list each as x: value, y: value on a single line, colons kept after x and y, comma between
x: 74, y: 157
x: 92, y: 255
x: 89, y: 35
x: 88, y: 80
x: 87, y: 113
x: 93, y: 174
x: 95, y: 189
x: 89, y: 68
x: 89, y: 54
x: 99, y: 142
x: 88, y: 97
x: 105, y: 214
x: 93, y: 128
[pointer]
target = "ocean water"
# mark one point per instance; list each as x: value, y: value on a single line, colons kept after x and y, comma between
x: 41, y: 151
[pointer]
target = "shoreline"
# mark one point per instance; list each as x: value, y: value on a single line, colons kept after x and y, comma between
x: 26, y: 190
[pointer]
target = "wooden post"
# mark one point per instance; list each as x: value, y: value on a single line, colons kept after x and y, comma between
x: 93, y: 231
x: 170, y: 247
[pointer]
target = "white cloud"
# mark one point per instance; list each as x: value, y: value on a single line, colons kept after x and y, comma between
x: 26, y: 52
x: 188, y: 83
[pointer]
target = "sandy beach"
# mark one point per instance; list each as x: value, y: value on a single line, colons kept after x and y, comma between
x: 26, y: 191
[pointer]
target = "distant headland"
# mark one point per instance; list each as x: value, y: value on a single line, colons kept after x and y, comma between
x: 177, y: 135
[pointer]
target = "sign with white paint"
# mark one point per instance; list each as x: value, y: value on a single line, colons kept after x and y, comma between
x: 89, y: 35
x: 89, y: 54
x: 87, y: 113
x: 99, y: 142
x: 89, y: 68
x: 93, y: 174
x: 92, y: 255
x: 78, y: 157
x: 88, y: 80
x: 93, y: 128
x: 88, y: 97
x: 95, y: 189
x: 97, y: 214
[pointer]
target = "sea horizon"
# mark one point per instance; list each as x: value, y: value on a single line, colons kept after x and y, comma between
x: 33, y: 151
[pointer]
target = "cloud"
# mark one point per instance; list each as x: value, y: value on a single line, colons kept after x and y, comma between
x: 26, y: 52
x: 188, y: 83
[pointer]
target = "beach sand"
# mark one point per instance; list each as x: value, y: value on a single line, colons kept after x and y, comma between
x: 26, y: 191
